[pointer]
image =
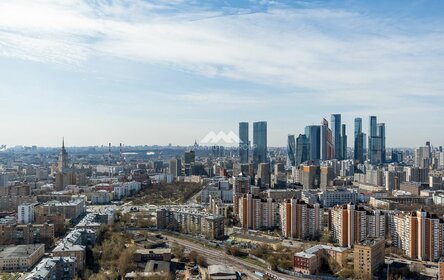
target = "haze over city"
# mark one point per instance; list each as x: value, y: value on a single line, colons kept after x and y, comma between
x: 160, y: 72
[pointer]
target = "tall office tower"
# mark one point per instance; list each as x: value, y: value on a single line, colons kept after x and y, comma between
x: 259, y: 142
x: 256, y: 213
x: 359, y: 141
x: 336, y: 134
x: 291, y: 150
x: 175, y: 167
x: 326, y: 144
x: 381, y: 136
x: 343, y: 142
x: 313, y: 133
x: 374, y: 154
x: 302, y: 149
x: 300, y: 220
x: 244, y: 144
x: 190, y: 159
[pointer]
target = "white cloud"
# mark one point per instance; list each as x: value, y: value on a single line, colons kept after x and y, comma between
x: 328, y: 56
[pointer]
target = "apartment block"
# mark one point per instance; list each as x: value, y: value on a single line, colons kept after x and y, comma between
x: 71, y: 210
x: 368, y: 257
x: 419, y: 234
x: 300, y: 220
x: 256, y: 213
x: 20, y: 257
x: 27, y: 234
x: 191, y: 221
x: 350, y: 224
x: 60, y: 268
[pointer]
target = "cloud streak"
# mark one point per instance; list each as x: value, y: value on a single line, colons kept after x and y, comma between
x: 329, y: 56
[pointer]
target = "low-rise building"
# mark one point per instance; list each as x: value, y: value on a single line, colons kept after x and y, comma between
x: 309, y: 262
x: 60, y: 268
x: 368, y: 257
x: 20, y: 257
x: 74, y: 245
x: 159, y: 254
x: 27, y: 234
x: 191, y: 221
x: 330, y: 198
x: 221, y: 272
x: 71, y: 210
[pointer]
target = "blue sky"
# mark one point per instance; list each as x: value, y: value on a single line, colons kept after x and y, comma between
x: 159, y: 72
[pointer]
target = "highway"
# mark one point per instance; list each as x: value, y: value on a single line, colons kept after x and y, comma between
x: 220, y: 257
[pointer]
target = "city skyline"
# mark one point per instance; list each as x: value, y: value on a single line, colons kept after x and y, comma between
x: 159, y: 72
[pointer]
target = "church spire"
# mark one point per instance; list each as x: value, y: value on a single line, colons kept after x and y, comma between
x: 63, y: 142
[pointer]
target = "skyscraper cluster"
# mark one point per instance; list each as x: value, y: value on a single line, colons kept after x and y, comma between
x: 319, y: 142
x: 324, y: 142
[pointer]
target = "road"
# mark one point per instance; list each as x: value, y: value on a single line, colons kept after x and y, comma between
x: 219, y: 257
x: 193, y: 199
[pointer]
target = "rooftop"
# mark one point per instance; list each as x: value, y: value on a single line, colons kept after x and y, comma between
x: 19, y: 251
x: 221, y: 269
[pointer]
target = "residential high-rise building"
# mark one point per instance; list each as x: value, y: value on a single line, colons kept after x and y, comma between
x: 423, y: 156
x: 259, y: 142
x: 359, y: 141
x: 300, y: 220
x: 25, y: 213
x: 291, y: 150
x: 241, y: 186
x: 244, y: 143
x: 301, y: 149
x: 256, y: 213
x: 263, y: 176
x: 336, y: 133
x: 418, y: 234
x: 310, y: 176
x: 313, y: 133
x: 350, y: 224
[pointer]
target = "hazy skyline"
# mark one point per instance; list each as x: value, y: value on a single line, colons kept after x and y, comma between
x: 159, y: 72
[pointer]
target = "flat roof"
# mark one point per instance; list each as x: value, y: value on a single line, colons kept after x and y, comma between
x: 19, y: 251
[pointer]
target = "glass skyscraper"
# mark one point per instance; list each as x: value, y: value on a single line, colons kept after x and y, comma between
x: 313, y: 133
x: 259, y: 142
x: 301, y: 149
x: 376, y: 141
x: 291, y: 150
x: 344, y: 142
x: 381, y: 135
x: 244, y: 143
x: 359, y: 146
x: 336, y: 133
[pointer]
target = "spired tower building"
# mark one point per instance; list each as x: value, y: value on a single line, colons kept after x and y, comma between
x: 63, y: 158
